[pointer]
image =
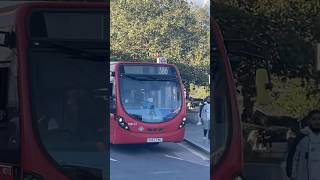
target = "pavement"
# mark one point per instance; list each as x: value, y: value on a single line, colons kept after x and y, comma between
x: 194, y: 137
x: 264, y: 171
x: 262, y: 166
x: 276, y: 155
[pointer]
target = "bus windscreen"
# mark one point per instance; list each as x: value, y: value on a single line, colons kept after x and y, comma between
x: 150, y: 93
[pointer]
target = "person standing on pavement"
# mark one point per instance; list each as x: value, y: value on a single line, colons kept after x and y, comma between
x: 290, y: 136
x: 253, y: 139
x: 267, y: 140
x: 201, y: 105
x: 303, y: 162
x: 205, y: 116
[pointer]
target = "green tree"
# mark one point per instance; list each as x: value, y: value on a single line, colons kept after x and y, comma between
x: 178, y: 30
x: 291, y: 97
x: 288, y: 31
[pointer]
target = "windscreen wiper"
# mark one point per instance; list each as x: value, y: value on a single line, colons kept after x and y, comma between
x: 139, y: 117
x: 76, y: 52
x: 164, y: 78
x: 169, y: 116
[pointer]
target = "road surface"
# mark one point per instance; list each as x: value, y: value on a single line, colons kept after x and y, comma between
x: 174, y: 161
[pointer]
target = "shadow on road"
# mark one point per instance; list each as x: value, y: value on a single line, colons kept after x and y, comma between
x: 140, y: 148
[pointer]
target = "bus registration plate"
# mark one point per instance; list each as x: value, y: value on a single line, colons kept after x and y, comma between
x: 150, y: 140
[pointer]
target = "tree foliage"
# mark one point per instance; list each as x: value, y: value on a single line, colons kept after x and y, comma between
x: 199, y: 91
x: 288, y: 31
x: 291, y: 97
x: 176, y: 29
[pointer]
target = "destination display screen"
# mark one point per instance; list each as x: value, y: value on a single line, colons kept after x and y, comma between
x: 69, y: 25
x: 147, y: 70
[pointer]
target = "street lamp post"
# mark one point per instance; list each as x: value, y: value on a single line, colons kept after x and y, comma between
x: 318, y: 58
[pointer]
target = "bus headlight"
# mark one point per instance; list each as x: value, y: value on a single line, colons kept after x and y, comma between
x: 183, y: 123
x: 122, y: 123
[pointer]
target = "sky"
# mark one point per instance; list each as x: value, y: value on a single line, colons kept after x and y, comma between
x: 198, y: 2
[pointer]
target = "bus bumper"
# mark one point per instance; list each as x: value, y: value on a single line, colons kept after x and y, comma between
x: 127, y: 137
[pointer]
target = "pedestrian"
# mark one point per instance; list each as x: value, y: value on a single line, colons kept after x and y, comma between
x: 267, y: 138
x: 252, y: 139
x: 260, y: 140
x: 201, y: 105
x: 303, y: 161
x: 290, y: 136
x: 189, y: 105
x: 205, y: 116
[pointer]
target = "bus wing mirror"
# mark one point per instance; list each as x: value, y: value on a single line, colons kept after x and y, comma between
x: 7, y: 39
x: 112, y: 99
x: 112, y: 104
x: 263, y: 86
x: 2, y: 115
x: 110, y: 89
x: 3, y: 122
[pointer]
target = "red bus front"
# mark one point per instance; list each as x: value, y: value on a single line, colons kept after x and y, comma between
x: 227, y: 151
x: 147, y: 103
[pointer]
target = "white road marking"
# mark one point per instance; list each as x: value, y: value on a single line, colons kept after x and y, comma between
x: 162, y: 172
x: 203, y: 157
x: 173, y: 157
x: 111, y: 159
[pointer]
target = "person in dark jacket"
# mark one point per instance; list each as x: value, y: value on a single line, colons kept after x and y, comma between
x: 303, y: 161
x: 204, y: 102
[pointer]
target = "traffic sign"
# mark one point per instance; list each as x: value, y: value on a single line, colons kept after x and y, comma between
x: 162, y: 60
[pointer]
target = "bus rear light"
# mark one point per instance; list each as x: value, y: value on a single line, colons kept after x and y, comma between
x: 122, y: 123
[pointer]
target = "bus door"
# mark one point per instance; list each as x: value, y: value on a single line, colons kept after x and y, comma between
x: 226, y: 157
x: 9, y: 117
x: 62, y: 73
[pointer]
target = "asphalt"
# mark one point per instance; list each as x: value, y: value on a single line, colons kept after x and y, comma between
x: 188, y: 160
x: 174, y: 161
